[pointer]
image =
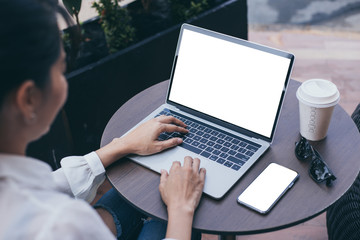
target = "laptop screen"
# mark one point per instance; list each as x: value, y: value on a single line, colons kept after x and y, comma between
x: 230, y: 79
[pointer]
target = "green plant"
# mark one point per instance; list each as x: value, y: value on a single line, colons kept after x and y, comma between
x: 116, y: 23
x: 183, y: 10
x: 73, y: 7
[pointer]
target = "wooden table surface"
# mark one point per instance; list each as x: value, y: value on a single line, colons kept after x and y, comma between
x: 307, y: 199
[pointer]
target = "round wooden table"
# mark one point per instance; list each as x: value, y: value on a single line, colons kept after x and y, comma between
x: 307, y: 199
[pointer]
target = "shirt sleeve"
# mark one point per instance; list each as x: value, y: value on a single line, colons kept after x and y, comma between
x: 84, y: 174
x: 62, y: 184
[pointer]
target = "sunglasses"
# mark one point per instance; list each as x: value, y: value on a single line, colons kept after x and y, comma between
x: 318, y: 170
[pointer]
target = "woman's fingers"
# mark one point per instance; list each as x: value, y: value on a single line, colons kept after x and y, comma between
x: 196, y: 164
x: 173, y: 128
x: 163, y: 177
x: 174, y: 166
x: 171, y: 119
x: 182, y: 187
x: 188, y: 162
x: 165, y: 144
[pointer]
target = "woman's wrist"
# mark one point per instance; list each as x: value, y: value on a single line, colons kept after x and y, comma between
x: 180, y: 223
x: 181, y: 209
x: 113, y: 151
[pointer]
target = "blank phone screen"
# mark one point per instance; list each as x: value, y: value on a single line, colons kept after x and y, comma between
x: 268, y: 187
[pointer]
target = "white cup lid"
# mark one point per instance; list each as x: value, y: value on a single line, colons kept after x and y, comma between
x: 318, y: 93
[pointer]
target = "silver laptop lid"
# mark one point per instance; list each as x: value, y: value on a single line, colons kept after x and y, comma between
x: 232, y: 82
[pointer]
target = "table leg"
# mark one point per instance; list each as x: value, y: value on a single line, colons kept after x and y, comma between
x: 227, y: 237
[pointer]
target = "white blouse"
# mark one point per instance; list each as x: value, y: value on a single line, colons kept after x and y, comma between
x: 36, y: 203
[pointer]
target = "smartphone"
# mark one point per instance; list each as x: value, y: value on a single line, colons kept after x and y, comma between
x: 264, y: 192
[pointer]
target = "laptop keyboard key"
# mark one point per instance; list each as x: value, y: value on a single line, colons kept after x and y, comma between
x: 200, y: 133
x: 192, y: 130
x: 235, y: 160
x: 190, y: 135
x: 228, y: 164
x: 242, y: 157
x: 242, y: 144
x: 209, y: 149
x: 188, y: 140
x: 252, y: 148
x: 205, y: 154
x: 195, y: 125
x: 231, y: 152
x: 234, y: 147
x: 191, y: 148
x: 227, y: 138
x: 208, y: 130
x: 235, y: 167
x: 221, y: 160
x: 196, y: 138
x: 224, y: 155
x: 201, y: 128
x: 216, y: 152
x: 221, y: 135
x: 206, y: 135
x: 249, y: 153
x: 187, y: 122
x: 224, y: 149
x: 213, y: 139
x: 195, y: 144
x: 202, y: 146
x: 242, y: 150
x: 217, y: 146
x: 213, y: 157
x: 214, y: 133
x: 164, y: 136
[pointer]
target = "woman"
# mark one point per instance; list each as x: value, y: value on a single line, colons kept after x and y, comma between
x: 36, y: 203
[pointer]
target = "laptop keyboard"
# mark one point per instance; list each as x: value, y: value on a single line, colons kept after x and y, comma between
x: 217, y: 145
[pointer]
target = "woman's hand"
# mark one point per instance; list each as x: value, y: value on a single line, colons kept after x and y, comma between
x: 143, y: 140
x: 181, y: 190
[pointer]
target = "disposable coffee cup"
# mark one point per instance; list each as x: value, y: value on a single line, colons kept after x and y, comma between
x: 317, y: 100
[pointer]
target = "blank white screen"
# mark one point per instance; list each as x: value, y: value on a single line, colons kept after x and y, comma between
x: 268, y: 187
x: 235, y: 83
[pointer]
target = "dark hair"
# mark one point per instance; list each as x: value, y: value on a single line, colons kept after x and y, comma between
x: 29, y: 42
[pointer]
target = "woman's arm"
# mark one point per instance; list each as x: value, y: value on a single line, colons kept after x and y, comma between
x: 143, y: 140
x: 80, y: 176
x: 181, y: 190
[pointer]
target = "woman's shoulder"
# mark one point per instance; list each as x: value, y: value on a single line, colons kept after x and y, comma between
x: 52, y: 216
x: 76, y: 219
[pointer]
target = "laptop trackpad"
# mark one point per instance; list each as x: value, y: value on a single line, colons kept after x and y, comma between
x: 219, y: 177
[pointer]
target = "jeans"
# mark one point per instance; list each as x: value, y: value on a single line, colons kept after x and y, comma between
x: 130, y: 223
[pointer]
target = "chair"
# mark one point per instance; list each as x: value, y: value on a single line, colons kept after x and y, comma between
x: 343, y: 218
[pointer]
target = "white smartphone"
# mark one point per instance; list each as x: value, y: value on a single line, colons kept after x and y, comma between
x: 263, y: 193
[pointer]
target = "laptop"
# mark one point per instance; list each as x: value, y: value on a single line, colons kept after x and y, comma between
x: 229, y: 92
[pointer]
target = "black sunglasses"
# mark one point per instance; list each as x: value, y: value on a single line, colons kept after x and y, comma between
x: 318, y: 170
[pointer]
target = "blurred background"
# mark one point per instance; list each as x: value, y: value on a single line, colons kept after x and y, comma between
x: 324, y: 35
